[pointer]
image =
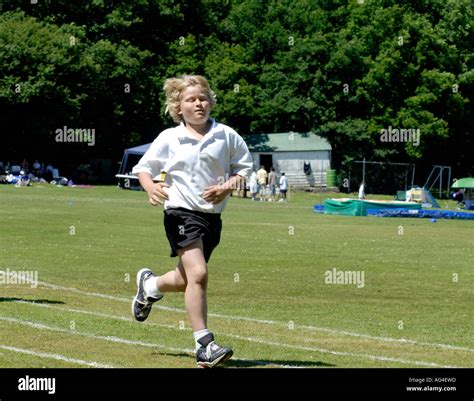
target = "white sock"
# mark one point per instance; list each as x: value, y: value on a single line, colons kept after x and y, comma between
x: 198, y: 335
x: 151, y: 289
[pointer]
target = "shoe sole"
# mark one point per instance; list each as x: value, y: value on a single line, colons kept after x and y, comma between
x: 139, y: 275
x: 219, y: 360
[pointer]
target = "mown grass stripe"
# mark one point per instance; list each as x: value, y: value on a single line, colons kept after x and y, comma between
x: 273, y: 322
x: 41, y: 326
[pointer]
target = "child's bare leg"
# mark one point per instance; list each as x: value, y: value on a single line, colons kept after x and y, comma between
x: 195, y: 299
x: 173, y: 281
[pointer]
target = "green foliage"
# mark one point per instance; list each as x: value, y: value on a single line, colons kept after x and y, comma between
x: 344, y: 70
x: 33, y: 55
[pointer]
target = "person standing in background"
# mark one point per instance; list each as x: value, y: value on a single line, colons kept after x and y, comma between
x: 253, y: 185
x: 262, y: 182
x: 283, y: 187
x: 272, y: 184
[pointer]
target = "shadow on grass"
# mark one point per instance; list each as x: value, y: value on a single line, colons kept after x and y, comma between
x: 31, y: 301
x: 249, y: 363
x: 173, y: 354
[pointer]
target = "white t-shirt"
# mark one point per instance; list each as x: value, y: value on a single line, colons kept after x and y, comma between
x: 253, y: 182
x: 191, y: 165
x: 283, y: 182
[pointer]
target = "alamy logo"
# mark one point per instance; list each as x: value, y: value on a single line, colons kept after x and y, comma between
x: 28, y: 383
x: 400, y: 135
x: 335, y: 276
x: 13, y: 277
x: 77, y: 135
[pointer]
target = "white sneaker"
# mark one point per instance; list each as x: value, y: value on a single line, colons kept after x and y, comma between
x: 141, y: 304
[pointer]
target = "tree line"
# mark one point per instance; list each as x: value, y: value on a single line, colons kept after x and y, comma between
x: 348, y: 70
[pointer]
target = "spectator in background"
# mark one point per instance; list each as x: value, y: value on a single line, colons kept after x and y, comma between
x: 458, y: 196
x: 25, y: 166
x: 283, y: 187
x: 262, y: 182
x: 272, y: 184
x: 37, y: 168
x: 253, y: 185
x: 48, y: 173
x: 242, y: 187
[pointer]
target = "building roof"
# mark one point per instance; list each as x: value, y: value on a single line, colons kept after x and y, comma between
x: 286, y: 142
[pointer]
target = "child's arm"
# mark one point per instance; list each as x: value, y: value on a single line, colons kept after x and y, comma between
x: 217, y: 193
x: 155, y: 191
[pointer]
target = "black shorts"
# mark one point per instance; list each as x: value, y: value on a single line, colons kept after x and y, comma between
x: 184, y: 227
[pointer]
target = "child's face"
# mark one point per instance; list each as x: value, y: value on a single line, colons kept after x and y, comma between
x: 194, y: 105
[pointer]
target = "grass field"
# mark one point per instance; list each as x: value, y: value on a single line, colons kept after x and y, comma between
x: 268, y: 298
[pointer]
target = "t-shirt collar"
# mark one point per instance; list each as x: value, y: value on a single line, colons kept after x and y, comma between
x: 184, y: 132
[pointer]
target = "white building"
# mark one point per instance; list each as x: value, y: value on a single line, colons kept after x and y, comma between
x: 289, y: 152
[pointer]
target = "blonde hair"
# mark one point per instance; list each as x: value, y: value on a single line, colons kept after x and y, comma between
x: 174, y: 87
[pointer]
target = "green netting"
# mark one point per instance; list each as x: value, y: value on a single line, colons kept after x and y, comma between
x: 355, y: 207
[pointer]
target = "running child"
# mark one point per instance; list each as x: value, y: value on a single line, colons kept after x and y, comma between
x: 191, y: 169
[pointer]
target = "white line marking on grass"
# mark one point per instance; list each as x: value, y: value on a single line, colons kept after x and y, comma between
x: 40, y: 326
x: 98, y: 314
x: 167, y: 326
x: 91, y: 294
x: 271, y: 322
x: 55, y: 356
x: 251, y: 339
x: 343, y: 353
x: 346, y: 333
